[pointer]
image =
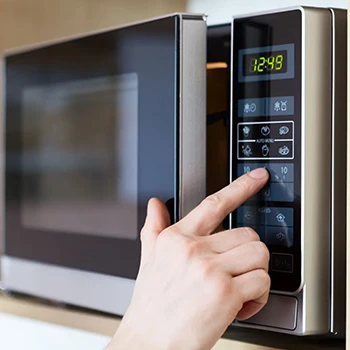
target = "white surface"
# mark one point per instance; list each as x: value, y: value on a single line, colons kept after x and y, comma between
x: 18, y: 333
x: 222, y: 11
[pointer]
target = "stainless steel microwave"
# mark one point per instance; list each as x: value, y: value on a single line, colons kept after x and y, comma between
x: 96, y: 125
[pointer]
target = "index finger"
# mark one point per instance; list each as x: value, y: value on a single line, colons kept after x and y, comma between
x: 204, y: 219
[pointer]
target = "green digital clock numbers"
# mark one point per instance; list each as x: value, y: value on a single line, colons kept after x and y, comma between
x: 265, y: 63
x: 261, y: 64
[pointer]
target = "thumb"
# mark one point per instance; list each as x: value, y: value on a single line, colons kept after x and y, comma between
x: 157, y: 220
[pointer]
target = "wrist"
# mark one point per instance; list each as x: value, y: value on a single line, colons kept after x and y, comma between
x: 130, y: 335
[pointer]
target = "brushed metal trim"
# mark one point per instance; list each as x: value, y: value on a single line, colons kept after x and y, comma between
x: 339, y: 185
x: 46, y: 43
x: 269, y: 318
x: 86, y: 289
x: 268, y: 12
x: 192, y: 133
x: 316, y: 138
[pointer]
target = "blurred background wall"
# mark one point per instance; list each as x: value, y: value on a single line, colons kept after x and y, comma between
x: 25, y: 22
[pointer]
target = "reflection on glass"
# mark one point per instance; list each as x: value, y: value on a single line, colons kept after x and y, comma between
x: 80, y: 156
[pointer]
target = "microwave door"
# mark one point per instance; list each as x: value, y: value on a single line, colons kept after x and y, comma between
x: 95, y: 127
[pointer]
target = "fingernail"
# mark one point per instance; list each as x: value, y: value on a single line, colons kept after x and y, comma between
x: 258, y: 173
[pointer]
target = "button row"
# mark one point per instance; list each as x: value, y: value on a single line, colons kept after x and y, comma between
x: 274, y: 235
x: 255, y: 150
x: 278, y: 171
x: 262, y: 107
x: 261, y: 216
x: 268, y: 130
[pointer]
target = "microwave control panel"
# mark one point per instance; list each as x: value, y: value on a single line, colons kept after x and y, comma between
x: 266, y: 132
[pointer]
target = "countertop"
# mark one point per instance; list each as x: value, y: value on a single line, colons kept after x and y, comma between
x: 92, y: 323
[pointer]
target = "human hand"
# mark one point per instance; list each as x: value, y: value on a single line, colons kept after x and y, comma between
x: 192, y: 285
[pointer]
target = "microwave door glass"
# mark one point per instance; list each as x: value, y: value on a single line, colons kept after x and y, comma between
x: 79, y: 160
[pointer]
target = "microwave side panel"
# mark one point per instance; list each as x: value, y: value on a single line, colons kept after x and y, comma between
x: 339, y: 154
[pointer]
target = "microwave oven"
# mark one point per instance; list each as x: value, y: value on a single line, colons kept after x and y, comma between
x: 205, y: 106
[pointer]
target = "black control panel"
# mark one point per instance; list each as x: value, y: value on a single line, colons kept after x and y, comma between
x: 266, y: 132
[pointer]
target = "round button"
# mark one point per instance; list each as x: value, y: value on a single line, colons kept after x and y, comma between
x: 265, y: 130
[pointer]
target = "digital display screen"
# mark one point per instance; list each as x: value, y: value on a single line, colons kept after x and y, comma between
x: 262, y: 63
x: 265, y: 63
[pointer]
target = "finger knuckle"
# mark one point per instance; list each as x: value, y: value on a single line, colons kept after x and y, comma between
x: 262, y: 252
x: 213, y: 203
x: 251, y: 234
x: 263, y: 279
x: 189, y: 248
x: 223, y: 290
x: 206, y: 268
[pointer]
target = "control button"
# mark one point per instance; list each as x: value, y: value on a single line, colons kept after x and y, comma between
x: 248, y: 215
x: 282, y: 150
x: 246, y: 150
x: 252, y: 107
x: 284, y: 130
x: 277, y: 192
x: 265, y: 130
x: 279, y: 312
x: 279, y: 106
x: 278, y: 171
x: 280, y: 217
x: 265, y: 150
x: 281, y: 172
x: 279, y: 236
x: 246, y: 131
x: 282, y: 262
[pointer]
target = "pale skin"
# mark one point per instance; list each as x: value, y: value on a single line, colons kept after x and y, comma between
x: 192, y: 284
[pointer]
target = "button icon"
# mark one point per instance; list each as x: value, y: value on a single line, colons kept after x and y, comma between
x: 264, y: 210
x: 280, y: 236
x: 282, y: 262
x: 280, y: 217
x: 265, y: 130
x: 265, y: 150
x: 284, y: 106
x: 284, y: 151
x: 246, y: 131
x: 284, y: 130
x: 267, y: 192
x: 249, y: 107
x: 281, y: 105
x: 247, y: 150
x: 249, y: 215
